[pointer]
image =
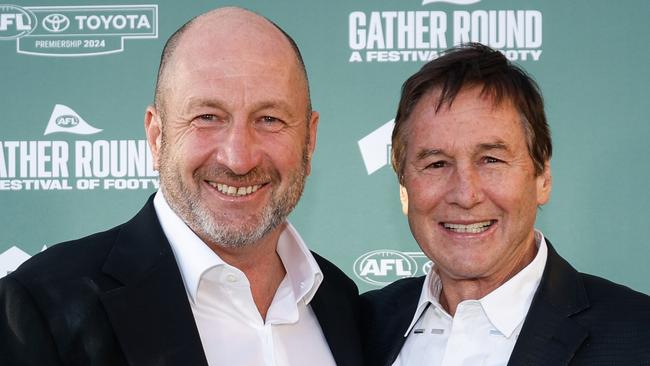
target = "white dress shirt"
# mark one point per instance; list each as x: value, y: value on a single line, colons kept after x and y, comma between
x: 482, y: 332
x: 231, y: 328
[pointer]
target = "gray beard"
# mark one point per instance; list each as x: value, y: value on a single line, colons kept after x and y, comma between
x: 212, y: 227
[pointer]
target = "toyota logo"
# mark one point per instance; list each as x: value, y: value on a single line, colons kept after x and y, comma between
x: 56, y: 23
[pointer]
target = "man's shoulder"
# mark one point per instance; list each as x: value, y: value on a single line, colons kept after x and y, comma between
x: 617, y: 321
x: 601, y: 294
x: 615, y: 301
x: 406, y: 289
x: 601, y: 289
x: 83, y: 257
x: 79, y: 257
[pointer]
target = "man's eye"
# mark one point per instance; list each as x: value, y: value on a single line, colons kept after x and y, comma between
x: 207, y: 117
x: 269, y: 119
x: 491, y: 160
x: 437, y: 165
x: 270, y: 123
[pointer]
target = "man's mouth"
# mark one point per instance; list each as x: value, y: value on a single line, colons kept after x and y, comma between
x: 234, y: 191
x: 474, y: 228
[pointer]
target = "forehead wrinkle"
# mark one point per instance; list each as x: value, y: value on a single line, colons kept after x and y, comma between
x: 233, y: 65
x: 270, y: 103
x: 230, y: 69
x: 198, y: 102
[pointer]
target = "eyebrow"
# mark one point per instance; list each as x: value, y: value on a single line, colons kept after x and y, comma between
x: 275, y: 104
x: 497, y: 145
x: 425, y: 153
x: 268, y: 104
x: 201, y: 102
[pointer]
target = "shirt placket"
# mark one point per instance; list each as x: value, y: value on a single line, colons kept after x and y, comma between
x: 462, y: 349
x: 242, y: 298
x: 266, y: 335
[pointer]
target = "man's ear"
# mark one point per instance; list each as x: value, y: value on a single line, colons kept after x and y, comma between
x: 404, y: 199
x: 153, y: 129
x: 544, y: 184
x: 313, y: 129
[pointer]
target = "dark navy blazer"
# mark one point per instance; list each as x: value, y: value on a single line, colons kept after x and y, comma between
x: 117, y: 298
x: 574, y: 319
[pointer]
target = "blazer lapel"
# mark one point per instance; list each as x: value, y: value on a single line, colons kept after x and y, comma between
x: 549, y: 336
x: 403, y: 310
x: 386, y: 315
x: 150, y: 314
x: 339, y: 323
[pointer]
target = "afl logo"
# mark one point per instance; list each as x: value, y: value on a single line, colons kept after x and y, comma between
x: 15, y: 21
x: 67, y: 121
x: 381, y: 267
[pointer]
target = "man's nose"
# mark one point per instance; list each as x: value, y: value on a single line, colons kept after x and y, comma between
x: 238, y: 148
x: 466, y: 188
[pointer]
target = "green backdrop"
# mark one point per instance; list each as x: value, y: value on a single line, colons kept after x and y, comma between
x: 97, y: 61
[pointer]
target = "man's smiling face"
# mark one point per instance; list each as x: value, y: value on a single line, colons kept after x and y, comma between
x: 236, y: 136
x: 471, y: 185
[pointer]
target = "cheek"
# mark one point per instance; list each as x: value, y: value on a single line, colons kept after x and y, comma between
x: 518, y: 198
x: 494, y: 178
x: 284, y: 153
x: 423, y: 194
x: 199, y: 145
x: 192, y: 152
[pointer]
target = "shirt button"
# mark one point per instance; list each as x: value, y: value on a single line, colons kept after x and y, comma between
x: 231, y: 278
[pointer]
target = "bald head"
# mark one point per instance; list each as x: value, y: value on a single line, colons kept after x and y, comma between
x: 231, y: 32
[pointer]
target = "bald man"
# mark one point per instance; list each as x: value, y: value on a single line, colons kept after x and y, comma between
x: 209, y: 272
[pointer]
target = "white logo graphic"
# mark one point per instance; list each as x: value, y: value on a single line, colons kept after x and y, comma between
x: 421, y: 35
x: 457, y: 2
x: 72, y: 31
x: 64, y: 119
x: 81, y: 164
x: 56, y: 23
x: 375, y: 147
x: 12, y: 258
x: 383, y: 266
x: 15, y: 22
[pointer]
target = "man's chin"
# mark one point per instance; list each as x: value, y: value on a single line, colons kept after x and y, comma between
x: 234, y: 234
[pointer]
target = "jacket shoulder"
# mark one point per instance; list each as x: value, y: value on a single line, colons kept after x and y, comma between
x: 67, y: 262
x: 601, y: 289
x: 618, y: 323
x: 616, y: 303
x: 54, y: 300
x: 405, y: 289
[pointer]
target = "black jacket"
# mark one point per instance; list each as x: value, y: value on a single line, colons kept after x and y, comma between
x: 117, y: 298
x: 574, y: 319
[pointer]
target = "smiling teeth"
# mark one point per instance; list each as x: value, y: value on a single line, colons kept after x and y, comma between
x: 476, y: 228
x: 235, y: 191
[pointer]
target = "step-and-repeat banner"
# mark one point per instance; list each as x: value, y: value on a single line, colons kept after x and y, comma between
x: 76, y: 77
